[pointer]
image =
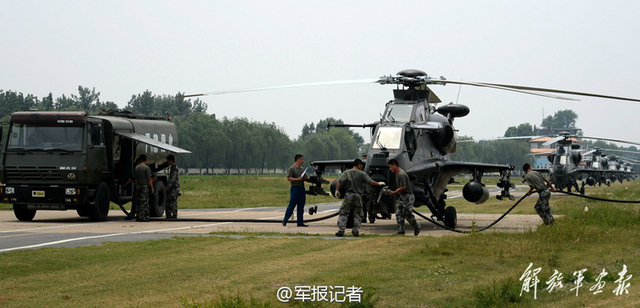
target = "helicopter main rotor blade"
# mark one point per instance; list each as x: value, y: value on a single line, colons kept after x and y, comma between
x: 519, y: 137
x: 623, y: 151
x: 500, y: 87
x: 626, y: 159
x: 609, y: 139
x: 426, y: 80
x: 300, y: 85
x: 554, y: 140
x: 562, y: 91
x: 501, y: 138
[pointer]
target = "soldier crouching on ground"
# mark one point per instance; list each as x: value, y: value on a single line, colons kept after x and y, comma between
x: 541, y: 185
x: 404, y: 204
x: 173, y: 189
x: 143, y: 177
x: 354, y: 179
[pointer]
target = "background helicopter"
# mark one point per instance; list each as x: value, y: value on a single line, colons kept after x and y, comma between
x: 610, y: 167
x: 572, y: 167
x: 566, y: 171
x: 420, y: 136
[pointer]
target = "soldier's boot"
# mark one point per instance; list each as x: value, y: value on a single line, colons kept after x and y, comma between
x: 416, y: 231
x: 355, y: 232
x: 340, y: 233
x: 400, y: 227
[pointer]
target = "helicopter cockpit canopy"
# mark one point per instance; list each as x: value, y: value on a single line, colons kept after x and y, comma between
x: 388, y: 137
x: 398, y: 113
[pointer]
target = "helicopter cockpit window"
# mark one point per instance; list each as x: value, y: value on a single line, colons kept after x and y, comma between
x: 388, y: 137
x: 398, y: 113
x: 563, y: 160
x: 422, y: 111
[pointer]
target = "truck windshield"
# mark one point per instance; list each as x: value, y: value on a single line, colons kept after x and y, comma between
x: 38, y: 137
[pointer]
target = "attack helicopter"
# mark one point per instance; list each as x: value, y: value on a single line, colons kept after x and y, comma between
x: 420, y: 135
x: 610, y: 167
x: 572, y: 167
x: 570, y: 171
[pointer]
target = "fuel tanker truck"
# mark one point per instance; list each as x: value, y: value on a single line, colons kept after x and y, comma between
x: 76, y: 161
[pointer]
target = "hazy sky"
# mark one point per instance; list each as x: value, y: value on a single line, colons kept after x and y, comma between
x: 123, y: 48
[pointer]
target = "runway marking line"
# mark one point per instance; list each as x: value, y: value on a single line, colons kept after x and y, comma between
x: 42, y: 228
x: 105, y: 235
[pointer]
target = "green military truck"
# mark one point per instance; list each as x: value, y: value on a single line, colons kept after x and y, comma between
x: 73, y: 160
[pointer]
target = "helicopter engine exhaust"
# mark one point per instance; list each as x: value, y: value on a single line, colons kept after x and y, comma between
x: 444, y: 139
x: 475, y: 192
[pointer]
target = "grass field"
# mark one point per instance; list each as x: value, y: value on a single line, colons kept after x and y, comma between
x: 479, y: 270
x: 239, y: 191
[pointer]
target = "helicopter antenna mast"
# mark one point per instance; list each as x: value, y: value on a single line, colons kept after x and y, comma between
x: 459, y: 88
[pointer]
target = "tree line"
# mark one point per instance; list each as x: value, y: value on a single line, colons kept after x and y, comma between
x: 236, y: 144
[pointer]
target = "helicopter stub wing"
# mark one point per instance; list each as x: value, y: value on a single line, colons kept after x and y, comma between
x: 335, y: 164
x: 541, y: 170
x: 438, y: 173
x: 452, y: 168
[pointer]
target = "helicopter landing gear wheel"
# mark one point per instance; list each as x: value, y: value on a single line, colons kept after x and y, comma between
x: 450, y: 217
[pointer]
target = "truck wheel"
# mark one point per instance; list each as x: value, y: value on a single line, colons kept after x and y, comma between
x: 157, y: 200
x: 99, y: 210
x: 83, y: 212
x: 23, y: 214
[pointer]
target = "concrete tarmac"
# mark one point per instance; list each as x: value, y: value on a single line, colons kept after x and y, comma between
x: 67, y: 229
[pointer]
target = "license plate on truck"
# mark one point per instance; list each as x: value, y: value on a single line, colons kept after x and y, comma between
x: 37, y: 193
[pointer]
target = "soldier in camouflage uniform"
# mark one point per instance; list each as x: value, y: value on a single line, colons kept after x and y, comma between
x: 354, y: 179
x: 173, y: 189
x: 404, y: 203
x: 133, y: 214
x: 143, y: 177
x: 542, y: 186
